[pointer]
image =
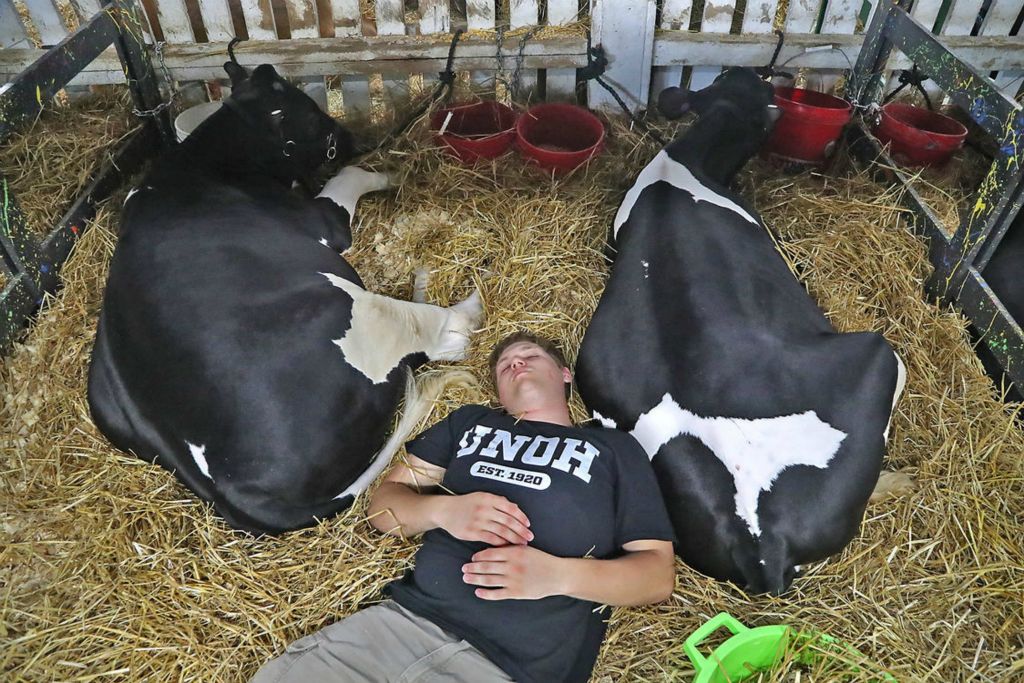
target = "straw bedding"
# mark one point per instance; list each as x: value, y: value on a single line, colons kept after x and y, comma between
x: 112, y: 571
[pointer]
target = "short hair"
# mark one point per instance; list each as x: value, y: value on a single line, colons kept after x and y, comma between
x: 546, y: 345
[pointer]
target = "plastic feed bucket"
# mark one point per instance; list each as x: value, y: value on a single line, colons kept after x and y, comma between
x: 810, y: 125
x: 559, y: 137
x: 751, y: 651
x: 188, y: 120
x: 744, y: 654
x: 918, y: 137
x: 483, y: 130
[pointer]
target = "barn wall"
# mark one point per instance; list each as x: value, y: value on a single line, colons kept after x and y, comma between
x: 382, y: 49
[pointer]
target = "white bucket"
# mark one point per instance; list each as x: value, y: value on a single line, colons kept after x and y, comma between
x: 188, y: 120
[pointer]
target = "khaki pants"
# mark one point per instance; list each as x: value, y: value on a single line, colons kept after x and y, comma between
x: 385, y: 643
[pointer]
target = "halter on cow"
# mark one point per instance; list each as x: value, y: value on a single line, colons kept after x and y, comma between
x: 235, y: 347
x: 765, y: 426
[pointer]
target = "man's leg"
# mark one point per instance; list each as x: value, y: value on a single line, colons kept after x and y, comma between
x: 380, y: 644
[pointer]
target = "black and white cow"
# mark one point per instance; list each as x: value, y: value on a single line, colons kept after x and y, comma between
x: 766, y: 427
x: 235, y: 347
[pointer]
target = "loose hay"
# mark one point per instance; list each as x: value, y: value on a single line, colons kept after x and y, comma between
x: 49, y: 162
x: 111, y: 569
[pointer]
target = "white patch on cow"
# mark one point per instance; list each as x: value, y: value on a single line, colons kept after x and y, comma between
x: 350, y: 184
x: 131, y: 193
x: 901, y: 382
x: 754, y: 451
x: 5, y: 87
x: 323, y: 241
x: 664, y: 167
x: 645, y: 265
x: 761, y: 562
x: 199, y: 455
x: 606, y: 421
x: 383, y: 331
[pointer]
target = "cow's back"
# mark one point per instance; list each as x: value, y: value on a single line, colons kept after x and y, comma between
x: 215, y: 352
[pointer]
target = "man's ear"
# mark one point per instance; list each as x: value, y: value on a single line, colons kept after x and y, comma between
x: 567, y: 375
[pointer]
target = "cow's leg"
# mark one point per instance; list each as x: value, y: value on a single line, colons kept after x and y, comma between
x: 384, y: 331
x: 419, y: 286
x: 892, y: 484
x: 350, y: 184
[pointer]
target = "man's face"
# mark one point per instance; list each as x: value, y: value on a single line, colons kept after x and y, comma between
x: 525, y: 372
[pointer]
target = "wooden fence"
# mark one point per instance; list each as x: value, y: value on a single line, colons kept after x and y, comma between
x: 652, y: 44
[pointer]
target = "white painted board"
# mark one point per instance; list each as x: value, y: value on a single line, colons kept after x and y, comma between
x: 435, y: 17
x: 302, y: 18
x: 217, y: 20
x: 717, y: 19
x: 47, y: 21
x: 259, y: 19
x: 174, y: 21
x: 347, y: 17
x: 480, y: 15
x: 12, y: 33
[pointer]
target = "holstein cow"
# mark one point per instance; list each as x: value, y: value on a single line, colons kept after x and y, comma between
x: 235, y: 347
x: 1005, y: 270
x: 766, y: 427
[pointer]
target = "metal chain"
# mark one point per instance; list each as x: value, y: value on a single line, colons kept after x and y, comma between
x: 519, y: 59
x: 158, y: 48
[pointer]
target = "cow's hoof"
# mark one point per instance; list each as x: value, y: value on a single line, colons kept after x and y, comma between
x: 463, y: 319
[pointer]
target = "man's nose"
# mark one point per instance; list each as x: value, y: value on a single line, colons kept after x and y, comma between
x: 517, y: 362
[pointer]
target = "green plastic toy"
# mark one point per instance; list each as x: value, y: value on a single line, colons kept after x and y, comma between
x: 750, y: 651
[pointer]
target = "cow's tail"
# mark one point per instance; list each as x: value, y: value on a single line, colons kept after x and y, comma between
x: 419, y: 400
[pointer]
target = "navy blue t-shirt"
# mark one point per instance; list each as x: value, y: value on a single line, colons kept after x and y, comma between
x: 586, y: 491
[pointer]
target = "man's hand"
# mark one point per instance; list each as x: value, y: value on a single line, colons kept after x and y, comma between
x: 514, y: 572
x: 484, y: 517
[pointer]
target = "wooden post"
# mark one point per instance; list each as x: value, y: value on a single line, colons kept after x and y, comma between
x: 625, y: 29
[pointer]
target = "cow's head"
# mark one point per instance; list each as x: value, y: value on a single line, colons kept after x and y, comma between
x: 739, y: 102
x: 293, y: 132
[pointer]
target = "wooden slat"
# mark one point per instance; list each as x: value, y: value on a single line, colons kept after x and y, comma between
x: 434, y: 16
x: 926, y: 12
x: 561, y: 12
x: 47, y: 21
x: 841, y: 16
x: 331, y: 56
x: 802, y: 16
x: 480, y: 15
x: 173, y: 19
x: 347, y: 17
x: 523, y: 13
x: 390, y: 17
x: 560, y: 84
x: 85, y: 9
x: 717, y: 19
x: 355, y: 95
x: 626, y: 30
x: 1001, y: 17
x: 961, y: 18
x: 675, y: 15
x: 759, y: 16
x: 998, y: 22
x: 302, y: 18
x: 11, y: 30
x: 217, y: 20
x: 259, y: 19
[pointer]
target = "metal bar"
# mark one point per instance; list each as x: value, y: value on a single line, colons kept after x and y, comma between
x: 18, y: 243
x: 130, y: 42
x: 969, y: 89
x: 125, y: 161
x: 16, y: 304
x: 868, y: 78
x: 997, y: 329
x: 26, y: 96
x: 24, y: 293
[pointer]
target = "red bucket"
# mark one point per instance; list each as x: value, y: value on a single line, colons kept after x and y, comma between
x: 810, y: 125
x: 483, y: 130
x: 559, y: 137
x: 918, y: 137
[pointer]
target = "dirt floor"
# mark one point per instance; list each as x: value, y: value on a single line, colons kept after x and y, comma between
x: 111, y: 570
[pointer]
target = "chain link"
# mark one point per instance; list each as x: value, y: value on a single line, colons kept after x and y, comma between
x: 158, y: 49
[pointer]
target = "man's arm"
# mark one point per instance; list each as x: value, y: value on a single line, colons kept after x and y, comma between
x: 409, y: 502
x: 644, y: 575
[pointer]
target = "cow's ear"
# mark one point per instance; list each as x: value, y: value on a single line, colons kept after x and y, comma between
x: 265, y: 74
x: 674, y: 102
x: 236, y: 72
